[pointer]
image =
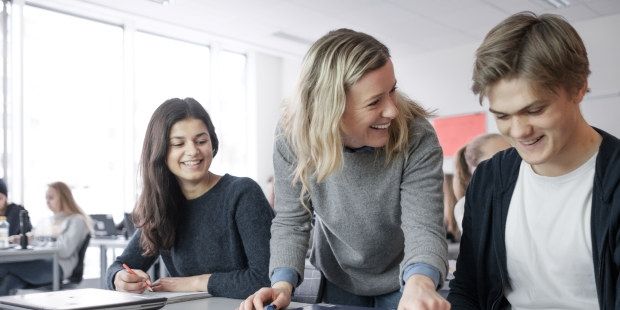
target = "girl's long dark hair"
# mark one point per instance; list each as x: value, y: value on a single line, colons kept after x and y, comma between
x: 156, y: 211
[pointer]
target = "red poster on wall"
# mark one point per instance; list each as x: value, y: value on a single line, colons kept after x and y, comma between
x: 455, y: 131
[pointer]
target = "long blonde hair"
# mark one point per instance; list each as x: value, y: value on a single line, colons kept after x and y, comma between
x: 312, y: 121
x: 67, y: 202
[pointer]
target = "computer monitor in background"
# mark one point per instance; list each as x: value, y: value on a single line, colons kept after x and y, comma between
x: 103, y: 226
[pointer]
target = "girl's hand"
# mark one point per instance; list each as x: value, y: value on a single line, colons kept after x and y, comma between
x: 135, y: 282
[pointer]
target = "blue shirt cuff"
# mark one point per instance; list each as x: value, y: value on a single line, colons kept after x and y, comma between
x: 285, y: 274
x: 423, y: 269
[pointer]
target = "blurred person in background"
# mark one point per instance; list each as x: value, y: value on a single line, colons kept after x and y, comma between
x: 66, y: 229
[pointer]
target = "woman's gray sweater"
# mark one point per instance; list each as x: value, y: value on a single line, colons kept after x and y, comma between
x: 373, y: 219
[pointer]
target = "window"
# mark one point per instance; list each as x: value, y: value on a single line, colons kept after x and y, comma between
x: 3, y: 116
x: 89, y: 90
x: 229, y: 112
x: 72, y: 111
x: 164, y: 69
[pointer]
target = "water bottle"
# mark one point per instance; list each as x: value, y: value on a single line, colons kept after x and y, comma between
x: 4, y: 233
x: 23, y: 239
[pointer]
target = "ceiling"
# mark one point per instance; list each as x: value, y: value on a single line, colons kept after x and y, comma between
x: 408, y: 27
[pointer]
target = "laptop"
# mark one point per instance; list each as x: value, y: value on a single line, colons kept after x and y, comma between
x: 103, y: 226
x: 88, y: 298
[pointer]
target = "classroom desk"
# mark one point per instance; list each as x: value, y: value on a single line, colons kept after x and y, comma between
x: 104, y: 245
x: 18, y: 255
x: 214, y: 303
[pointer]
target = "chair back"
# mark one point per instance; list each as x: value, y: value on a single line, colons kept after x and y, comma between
x: 310, y: 290
x: 78, y: 272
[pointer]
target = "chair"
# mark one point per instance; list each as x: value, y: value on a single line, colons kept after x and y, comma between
x: 78, y: 272
x: 74, y: 279
x: 310, y: 289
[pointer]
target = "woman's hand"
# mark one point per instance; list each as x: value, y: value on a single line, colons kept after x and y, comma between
x: 279, y: 295
x: 133, y: 283
x: 182, y: 284
x: 16, y: 239
x: 420, y: 294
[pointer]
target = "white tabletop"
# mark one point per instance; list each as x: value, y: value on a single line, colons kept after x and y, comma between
x: 116, y: 243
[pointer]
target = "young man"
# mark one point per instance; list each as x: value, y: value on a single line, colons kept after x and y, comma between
x: 541, y: 219
x: 11, y: 211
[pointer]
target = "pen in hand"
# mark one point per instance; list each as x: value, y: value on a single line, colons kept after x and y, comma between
x: 270, y: 307
x: 129, y: 270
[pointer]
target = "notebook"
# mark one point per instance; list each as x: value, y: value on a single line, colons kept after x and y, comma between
x: 103, y: 226
x: 174, y: 297
x: 88, y: 298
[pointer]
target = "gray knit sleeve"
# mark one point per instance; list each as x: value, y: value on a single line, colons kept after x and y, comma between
x: 422, y: 201
x: 290, y: 229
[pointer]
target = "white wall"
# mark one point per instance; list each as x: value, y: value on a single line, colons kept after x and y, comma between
x: 269, y: 75
x: 275, y: 83
x: 601, y: 107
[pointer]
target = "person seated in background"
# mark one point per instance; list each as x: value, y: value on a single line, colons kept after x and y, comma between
x: 449, y: 200
x: 211, y: 231
x: 468, y: 157
x: 541, y: 224
x: 11, y: 211
x: 362, y: 158
x: 462, y: 174
x: 69, y: 226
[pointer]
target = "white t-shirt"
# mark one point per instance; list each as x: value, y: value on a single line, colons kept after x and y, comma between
x: 548, y: 240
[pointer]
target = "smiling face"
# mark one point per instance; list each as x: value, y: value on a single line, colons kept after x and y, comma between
x: 540, y: 126
x: 189, y: 152
x: 370, y: 109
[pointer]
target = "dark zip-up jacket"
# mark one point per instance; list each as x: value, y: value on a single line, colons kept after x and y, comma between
x: 12, y: 216
x: 481, y: 273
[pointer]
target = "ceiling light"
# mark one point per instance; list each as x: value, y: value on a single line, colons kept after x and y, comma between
x: 163, y: 2
x: 558, y: 3
x: 292, y: 37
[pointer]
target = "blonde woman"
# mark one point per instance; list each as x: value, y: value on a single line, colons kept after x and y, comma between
x: 364, y: 159
x: 69, y: 225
